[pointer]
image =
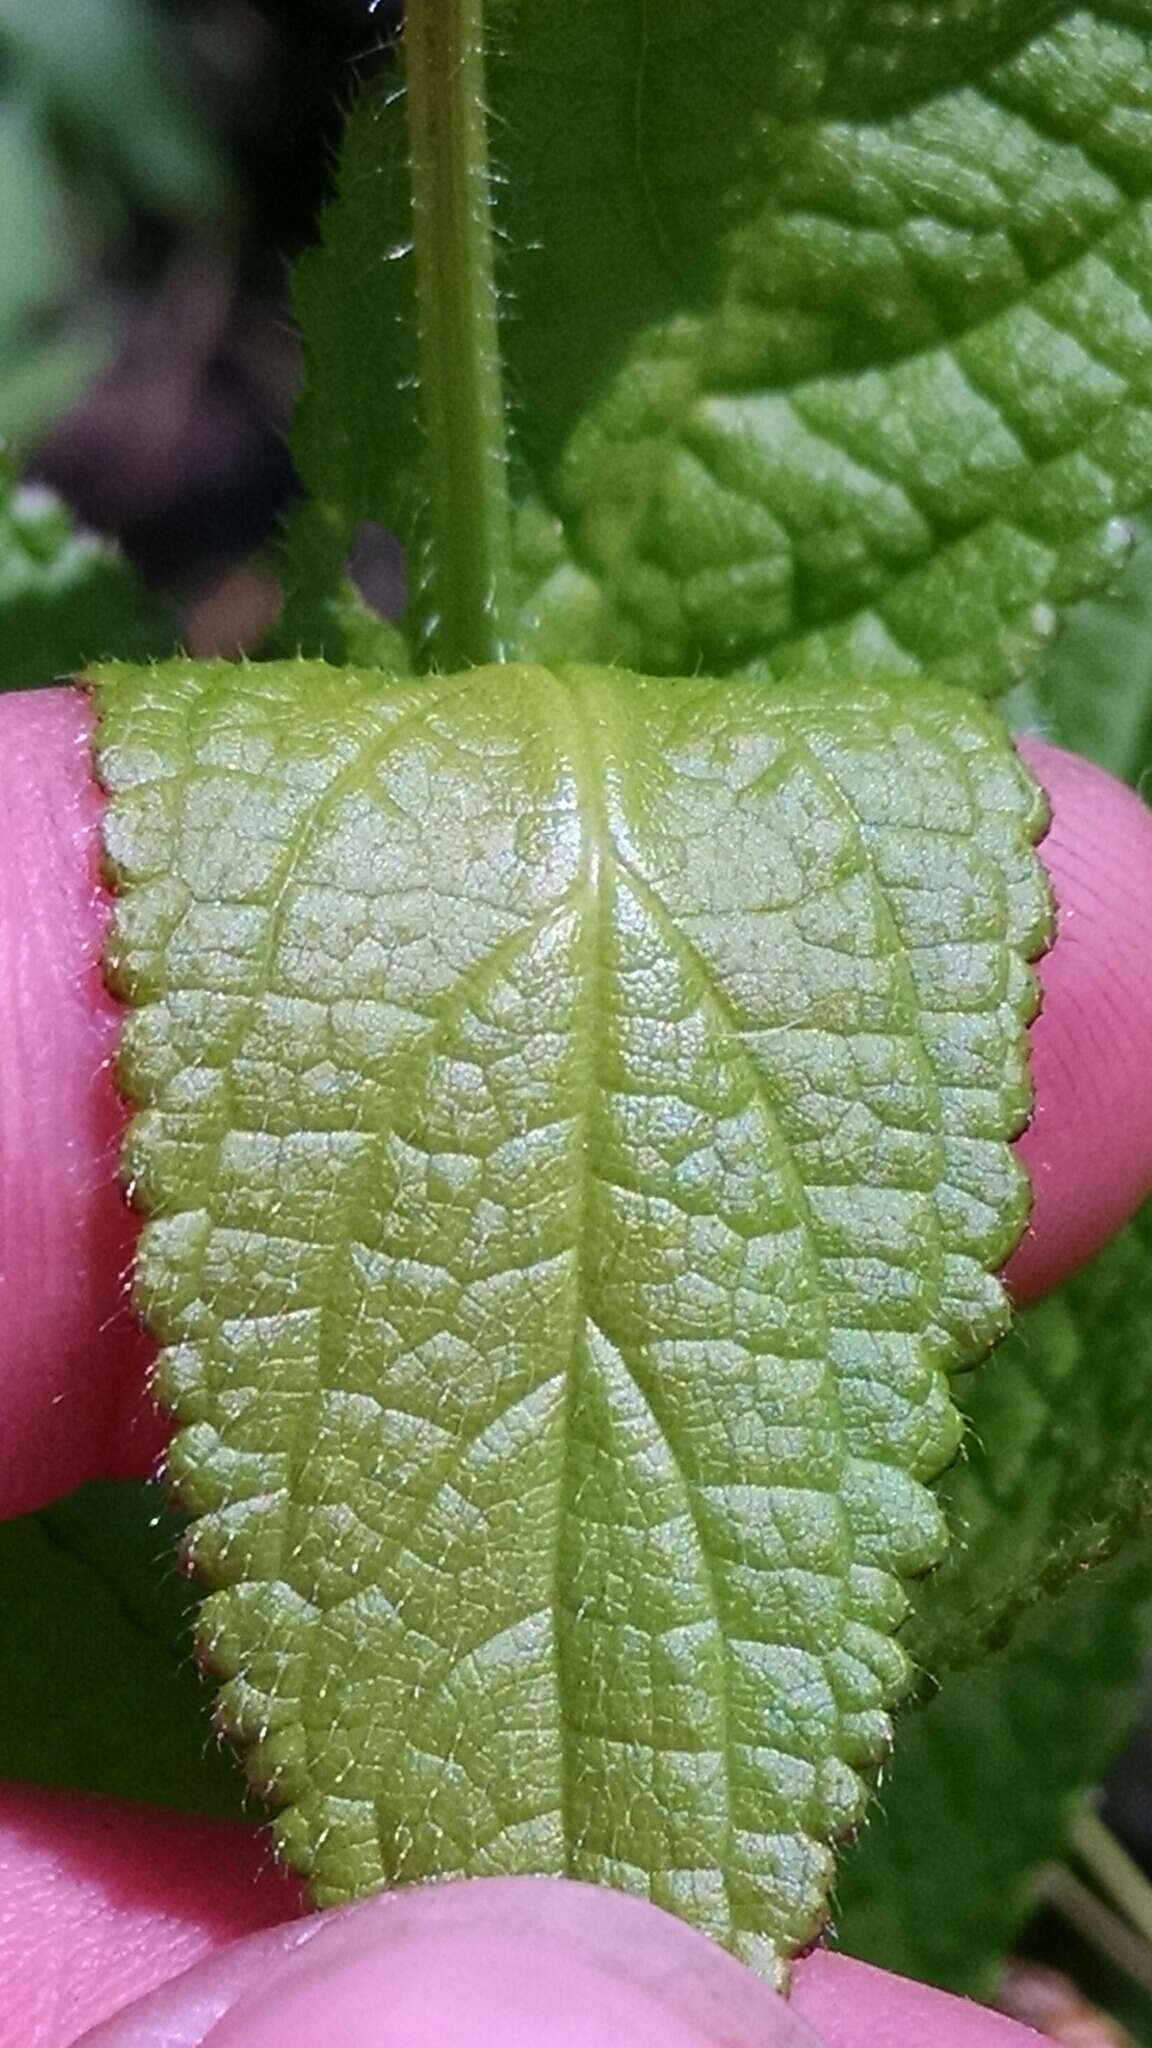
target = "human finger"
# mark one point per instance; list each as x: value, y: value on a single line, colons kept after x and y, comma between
x: 528, y: 1963
x: 1088, y: 1146
x: 101, y: 1901
x: 73, y: 1362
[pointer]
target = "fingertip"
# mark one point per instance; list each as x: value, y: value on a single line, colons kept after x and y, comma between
x: 490, y: 1963
x: 853, y: 2005
x: 1088, y: 1146
x: 103, y: 1902
x: 531, y: 1963
x: 73, y: 1361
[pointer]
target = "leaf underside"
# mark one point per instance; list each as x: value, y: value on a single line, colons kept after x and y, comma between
x: 573, y: 1115
x: 828, y: 340
x: 1055, y: 1475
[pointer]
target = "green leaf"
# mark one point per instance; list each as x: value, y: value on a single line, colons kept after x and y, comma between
x: 986, y: 1779
x: 828, y: 329
x: 1058, y: 1471
x: 66, y: 597
x: 1093, y: 691
x: 99, y: 1692
x: 1057, y: 1476
x: 573, y: 1114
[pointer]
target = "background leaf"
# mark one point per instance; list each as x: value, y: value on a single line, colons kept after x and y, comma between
x: 827, y: 334
x: 95, y: 73
x: 66, y: 597
x: 558, y: 1319
x: 985, y: 1780
x: 49, y: 343
x: 1093, y: 690
x: 100, y: 1693
x: 1056, y: 1477
x: 1058, y: 1467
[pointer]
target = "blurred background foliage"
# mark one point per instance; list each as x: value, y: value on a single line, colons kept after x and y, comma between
x: 161, y: 164
x: 93, y: 130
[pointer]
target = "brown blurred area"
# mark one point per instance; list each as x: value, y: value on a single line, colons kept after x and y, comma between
x: 1052, y: 2005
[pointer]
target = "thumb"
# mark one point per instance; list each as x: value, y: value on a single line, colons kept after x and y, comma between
x: 497, y: 1963
x: 528, y: 1963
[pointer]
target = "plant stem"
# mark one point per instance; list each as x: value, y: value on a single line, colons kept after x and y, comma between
x: 1099, y: 1925
x: 468, y: 571
x: 1114, y: 1870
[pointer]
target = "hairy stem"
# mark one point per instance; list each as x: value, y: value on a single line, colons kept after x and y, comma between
x: 1114, y: 1870
x: 468, y: 574
x: 1098, y: 1925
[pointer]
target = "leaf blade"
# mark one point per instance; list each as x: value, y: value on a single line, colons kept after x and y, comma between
x: 66, y: 596
x: 555, y: 1304
x: 839, y: 456
x: 827, y: 348
x: 1091, y: 694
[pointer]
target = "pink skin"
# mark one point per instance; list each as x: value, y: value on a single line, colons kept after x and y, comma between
x: 1087, y: 1146
x: 72, y: 1363
x: 146, y: 1926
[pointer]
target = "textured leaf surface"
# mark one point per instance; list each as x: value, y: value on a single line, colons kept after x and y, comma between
x: 573, y: 1113
x: 1056, y: 1472
x: 985, y: 1780
x: 1058, y: 1469
x: 66, y: 597
x: 829, y: 333
x: 100, y: 1694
